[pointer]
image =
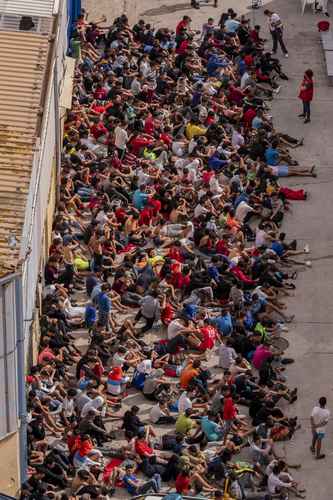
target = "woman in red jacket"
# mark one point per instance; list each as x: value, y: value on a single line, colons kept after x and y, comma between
x: 306, y: 94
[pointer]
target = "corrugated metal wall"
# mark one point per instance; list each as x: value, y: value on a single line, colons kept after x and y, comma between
x: 40, y: 8
x: 8, y: 363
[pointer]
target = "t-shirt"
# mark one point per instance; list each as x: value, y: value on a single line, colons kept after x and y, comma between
x: 231, y: 25
x: 320, y: 416
x: 156, y: 413
x: 142, y: 448
x: 130, y: 488
x: 242, y: 210
x: 184, y: 403
x: 260, y: 355
x: 257, y: 122
x: 187, y: 375
x: 272, y: 156
x: 274, y: 22
x: 46, y: 355
x: 209, y: 336
x: 223, y: 324
x: 140, y: 199
x: 120, y: 137
x: 227, y: 356
x: 209, y: 428
x: 184, y: 424
x: 275, y: 484
x: 174, y: 328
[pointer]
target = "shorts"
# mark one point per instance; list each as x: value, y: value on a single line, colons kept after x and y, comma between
x: 283, y: 170
x: 320, y: 435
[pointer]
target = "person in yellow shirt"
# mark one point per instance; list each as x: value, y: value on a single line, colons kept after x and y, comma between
x: 194, y: 129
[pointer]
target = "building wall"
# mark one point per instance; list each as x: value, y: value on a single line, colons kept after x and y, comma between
x: 9, y: 477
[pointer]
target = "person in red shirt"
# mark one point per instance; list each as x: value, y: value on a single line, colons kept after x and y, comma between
x: 209, y: 336
x: 183, y: 482
x: 149, y: 127
x: 175, y: 252
x: 229, y: 413
x: 235, y: 95
x: 142, y: 447
x: 184, y: 23
x: 248, y: 117
x: 146, y: 216
x: 306, y: 94
x: 140, y: 141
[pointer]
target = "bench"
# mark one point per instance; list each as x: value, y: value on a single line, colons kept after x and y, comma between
x: 326, y: 38
x: 329, y: 65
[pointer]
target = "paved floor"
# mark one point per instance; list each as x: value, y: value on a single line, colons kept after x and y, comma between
x: 310, y: 222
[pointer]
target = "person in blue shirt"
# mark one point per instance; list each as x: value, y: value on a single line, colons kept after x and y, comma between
x: 231, y: 25
x: 140, y: 198
x: 211, y: 430
x: 104, y: 306
x: 214, y: 64
x: 213, y: 270
x: 258, y: 121
x: 216, y: 163
x: 278, y: 248
x: 223, y: 323
x: 272, y: 155
x: 136, y: 486
x: 90, y: 315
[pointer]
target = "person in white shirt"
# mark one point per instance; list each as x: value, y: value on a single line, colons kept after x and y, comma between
x: 237, y: 139
x: 319, y: 419
x: 242, y: 210
x: 227, y: 355
x: 244, y: 80
x: 275, y: 484
x: 68, y: 405
x: 184, y: 403
x: 160, y: 414
x: 276, y: 29
x: 121, y: 139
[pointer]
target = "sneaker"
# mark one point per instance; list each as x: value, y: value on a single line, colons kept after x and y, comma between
x: 308, y: 263
x: 286, y: 55
x: 277, y: 90
x: 307, y: 249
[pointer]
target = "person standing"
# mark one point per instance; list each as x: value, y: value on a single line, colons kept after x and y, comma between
x: 306, y: 94
x: 319, y: 419
x: 276, y: 30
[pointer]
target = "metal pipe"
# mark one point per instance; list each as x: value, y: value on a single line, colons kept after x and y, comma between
x: 22, y: 403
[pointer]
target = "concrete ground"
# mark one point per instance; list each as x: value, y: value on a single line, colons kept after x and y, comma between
x: 310, y: 222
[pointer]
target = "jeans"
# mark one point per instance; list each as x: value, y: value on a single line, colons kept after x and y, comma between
x: 277, y: 36
x: 306, y: 109
x: 154, y: 483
